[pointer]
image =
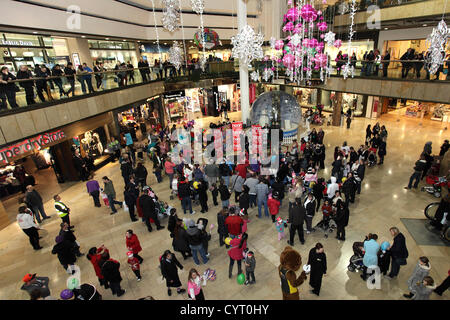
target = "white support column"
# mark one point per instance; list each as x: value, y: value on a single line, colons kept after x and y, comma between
x: 243, y: 69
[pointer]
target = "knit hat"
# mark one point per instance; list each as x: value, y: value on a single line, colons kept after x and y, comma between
x: 130, y: 254
x: 191, y: 227
x: 28, y: 277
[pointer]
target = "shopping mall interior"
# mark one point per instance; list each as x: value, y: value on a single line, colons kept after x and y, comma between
x: 78, y: 75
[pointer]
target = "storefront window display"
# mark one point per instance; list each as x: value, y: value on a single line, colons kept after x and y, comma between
x: 230, y: 92
x: 425, y: 110
x: 195, y: 101
x: 175, y: 106
x: 349, y: 100
x: 305, y: 97
x: 151, y: 53
x: 91, y: 144
x: 113, y: 52
x: 19, y: 49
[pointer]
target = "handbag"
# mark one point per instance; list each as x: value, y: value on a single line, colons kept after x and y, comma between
x: 125, y: 207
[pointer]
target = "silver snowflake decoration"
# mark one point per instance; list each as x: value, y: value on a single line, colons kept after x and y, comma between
x: 296, y: 40
x: 176, y: 55
x: 203, y: 61
x: 267, y: 74
x: 272, y: 42
x: 247, y: 45
x: 198, y: 6
x: 254, y: 76
x: 329, y: 38
x: 438, y: 42
x: 348, y: 70
x: 171, y: 15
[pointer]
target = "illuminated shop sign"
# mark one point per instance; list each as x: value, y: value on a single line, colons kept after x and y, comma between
x: 17, y: 43
x: 36, y: 143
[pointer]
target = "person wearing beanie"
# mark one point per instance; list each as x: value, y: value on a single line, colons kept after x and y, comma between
x: 195, y: 240
x: 32, y: 283
x: 66, y: 254
x: 28, y: 226
x: 134, y: 264
x: 133, y: 245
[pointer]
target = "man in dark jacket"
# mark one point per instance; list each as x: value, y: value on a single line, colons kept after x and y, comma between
x: 418, y: 168
x: 70, y: 72
x: 24, y: 73
x: 386, y: 62
x: 406, y: 66
x: 34, y: 200
x: 184, y: 193
x: 130, y: 200
x: 143, y: 65
x: 127, y: 169
x: 349, y: 188
x: 68, y: 235
x: 41, y: 84
x: 148, y: 210
x: 66, y: 253
x: 399, y: 252
x: 203, y: 196
x: 296, y: 218
x: 58, y: 72
x: 341, y: 219
x: 360, y: 172
x: 110, y: 270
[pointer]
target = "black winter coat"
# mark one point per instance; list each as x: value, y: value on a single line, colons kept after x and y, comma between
x: 279, y: 187
x: 169, y: 271
x: 25, y: 75
x: 342, y: 217
x: 317, y: 261
x: 126, y: 169
x: 110, y: 270
x: 65, y: 251
x: 148, y: 206
x: 398, y: 248
x: 361, y: 171
x: 180, y: 240
x: 202, y: 195
x: 224, y: 193
x: 184, y: 190
x: 221, y: 227
x: 130, y: 198
x: 244, y: 201
x: 297, y: 215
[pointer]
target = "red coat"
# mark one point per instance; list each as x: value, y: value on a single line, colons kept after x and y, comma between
x: 235, y: 252
x: 133, y: 244
x: 274, y: 206
x: 134, y: 263
x: 95, y: 260
x: 242, y: 170
x: 234, y: 224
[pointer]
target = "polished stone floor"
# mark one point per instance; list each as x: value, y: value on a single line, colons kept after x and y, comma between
x: 382, y: 203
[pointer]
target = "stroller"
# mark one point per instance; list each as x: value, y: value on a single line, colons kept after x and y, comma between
x: 356, y: 260
x: 327, y: 226
x: 372, y: 159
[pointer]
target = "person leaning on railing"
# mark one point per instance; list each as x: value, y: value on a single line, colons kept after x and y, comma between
x: 70, y: 72
x: 8, y: 89
x: 58, y: 72
x: 25, y: 73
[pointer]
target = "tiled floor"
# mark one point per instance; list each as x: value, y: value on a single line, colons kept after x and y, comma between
x: 382, y: 203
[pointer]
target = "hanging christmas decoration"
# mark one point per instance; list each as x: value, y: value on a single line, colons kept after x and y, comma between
x: 171, y: 15
x: 176, y: 55
x: 267, y: 74
x: 198, y: 6
x: 156, y: 30
x: 272, y: 42
x: 329, y: 38
x: 247, y: 45
x: 348, y: 68
x: 254, y: 76
x: 438, y: 42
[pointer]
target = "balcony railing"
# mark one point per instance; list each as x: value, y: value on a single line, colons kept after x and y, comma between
x: 19, y: 95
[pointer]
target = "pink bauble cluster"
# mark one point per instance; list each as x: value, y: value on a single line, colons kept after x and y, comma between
x: 322, y: 26
x: 337, y: 43
x: 320, y: 60
x: 290, y: 61
x: 308, y: 13
x: 279, y: 44
x: 288, y: 27
x: 292, y: 15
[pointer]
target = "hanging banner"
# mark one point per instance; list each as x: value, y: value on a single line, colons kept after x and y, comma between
x: 256, y: 139
x: 237, y: 129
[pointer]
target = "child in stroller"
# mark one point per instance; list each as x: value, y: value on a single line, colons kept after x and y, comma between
x: 372, y: 159
x: 327, y: 225
x: 356, y: 260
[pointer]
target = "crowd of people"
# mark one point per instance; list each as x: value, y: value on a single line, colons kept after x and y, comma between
x: 298, y: 181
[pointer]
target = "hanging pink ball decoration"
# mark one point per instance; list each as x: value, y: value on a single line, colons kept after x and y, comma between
x: 273, y: 68
x: 266, y: 58
x: 284, y: 51
x: 322, y: 26
x: 288, y: 61
x: 324, y: 1
x: 292, y: 14
x: 319, y: 13
x: 313, y: 43
x: 298, y: 28
x: 305, y: 43
x: 279, y: 60
x: 288, y: 27
x: 320, y: 46
x: 322, y: 36
x: 279, y: 44
x: 338, y: 43
x: 308, y: 13
x: 320, y: 59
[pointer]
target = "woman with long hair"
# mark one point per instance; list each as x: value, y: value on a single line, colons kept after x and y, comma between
x: 195, y: 285
x: 169, y: 270
x: 238, y: 245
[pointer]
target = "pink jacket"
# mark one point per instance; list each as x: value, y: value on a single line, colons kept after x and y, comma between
x: 311, y: 177
x: 193, y: 286
x: 235, y: 252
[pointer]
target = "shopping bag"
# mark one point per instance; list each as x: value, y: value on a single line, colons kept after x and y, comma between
x: 125, y: 207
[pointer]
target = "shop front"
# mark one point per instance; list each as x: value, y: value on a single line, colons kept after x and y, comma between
x: 355, y: 102
x: 360, y: 47
x: 30, y: 50
x: 113, y: 52
x: 151, y: 52
x: 437, y: 112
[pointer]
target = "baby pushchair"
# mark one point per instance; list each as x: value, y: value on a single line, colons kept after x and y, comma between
x: 327, y: 225
x: 372, y: 159
x: 356, y: 260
